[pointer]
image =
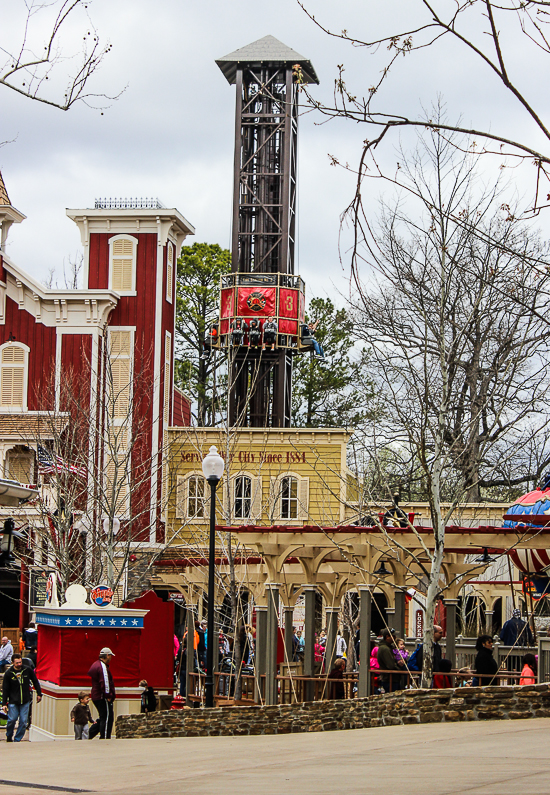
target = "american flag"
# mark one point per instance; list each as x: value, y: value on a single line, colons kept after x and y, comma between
x: 48, y: 464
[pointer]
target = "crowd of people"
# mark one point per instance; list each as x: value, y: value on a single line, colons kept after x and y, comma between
x: 390, y: 661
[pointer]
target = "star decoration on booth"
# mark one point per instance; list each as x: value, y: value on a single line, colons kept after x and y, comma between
x: 90, y: 622
x: 79, y: 621
x: 113, y: 622
x: 123, y: 622
x: 101, y: 622
x: 134, y: 622
x: 67, y: 621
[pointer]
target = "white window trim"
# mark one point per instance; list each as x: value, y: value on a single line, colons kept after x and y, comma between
x: 24, y: 407
x: 121, y: 422
x: 170, y: 247
x: 276, y: 498
x: 256, y: 498
x: 134, y: 241
x: 182, y: 499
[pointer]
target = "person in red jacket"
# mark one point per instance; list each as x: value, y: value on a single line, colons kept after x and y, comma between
x: 103, y: 695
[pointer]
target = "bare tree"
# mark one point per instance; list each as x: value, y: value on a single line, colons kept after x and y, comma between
x: 95, y: 466
x: 35, y: 53
x: 461, y: 363
x: 486, y: 35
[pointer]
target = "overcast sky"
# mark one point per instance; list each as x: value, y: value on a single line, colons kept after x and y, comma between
x: 170, y: 134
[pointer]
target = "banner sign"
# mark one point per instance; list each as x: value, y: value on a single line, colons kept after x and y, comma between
x: 227, y: 300
x: 85, y: 621
x: 288, y: 303
x: 260, y: 301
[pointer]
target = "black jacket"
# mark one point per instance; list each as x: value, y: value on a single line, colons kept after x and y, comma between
x: 16, y: 688
x: 485, y: 663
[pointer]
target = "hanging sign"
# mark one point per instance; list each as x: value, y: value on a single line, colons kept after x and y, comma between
x: 101, y: 595
x: 536, y: 587
x: 419, y: 624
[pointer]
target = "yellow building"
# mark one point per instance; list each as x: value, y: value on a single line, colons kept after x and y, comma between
x: 295, y: 477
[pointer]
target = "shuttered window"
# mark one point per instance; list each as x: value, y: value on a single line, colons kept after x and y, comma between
x: 13, y: 377
x: 123, y: 256
x: 167, y: 373
x: 169, y: 272
x: 289, y: 498
x: 118, y: 417
x: 19, y: 466
x: 120, y: 372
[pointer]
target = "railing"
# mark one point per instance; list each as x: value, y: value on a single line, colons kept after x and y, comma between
x: 128, y: 204
x: 298, y: 689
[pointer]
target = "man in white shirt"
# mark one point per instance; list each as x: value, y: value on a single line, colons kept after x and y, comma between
x: 6, y: 652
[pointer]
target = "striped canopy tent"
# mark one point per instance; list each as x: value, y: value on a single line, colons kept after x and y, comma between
x: 535, y: 504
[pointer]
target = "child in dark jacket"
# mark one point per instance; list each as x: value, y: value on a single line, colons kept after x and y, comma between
x: 81, y: 716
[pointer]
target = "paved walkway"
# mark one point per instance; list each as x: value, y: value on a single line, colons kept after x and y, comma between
x: 493, y: 758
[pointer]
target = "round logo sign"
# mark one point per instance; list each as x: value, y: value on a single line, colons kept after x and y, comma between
x: 101, y: 595
x: 255, y: 301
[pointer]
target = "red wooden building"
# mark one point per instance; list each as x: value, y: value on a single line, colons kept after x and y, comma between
x: 124, y: 314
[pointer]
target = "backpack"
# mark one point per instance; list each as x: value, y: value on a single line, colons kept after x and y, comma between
x: 413, y: 661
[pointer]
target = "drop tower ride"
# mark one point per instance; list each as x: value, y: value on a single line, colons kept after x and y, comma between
x: 262, y: 283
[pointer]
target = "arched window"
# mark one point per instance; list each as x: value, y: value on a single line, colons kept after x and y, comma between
x: 242, y: 497
x: 19, y: 464
x: 13, y: 387
x: 122, y: 263
x: 190, y: 497
x: 289, y: 498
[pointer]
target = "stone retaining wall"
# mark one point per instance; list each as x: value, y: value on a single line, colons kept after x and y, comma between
x: 407, y: 706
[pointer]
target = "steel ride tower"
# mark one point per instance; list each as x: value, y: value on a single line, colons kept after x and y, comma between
x: 262, y: 282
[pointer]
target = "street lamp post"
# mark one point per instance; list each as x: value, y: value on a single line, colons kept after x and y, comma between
x: 212, y: 468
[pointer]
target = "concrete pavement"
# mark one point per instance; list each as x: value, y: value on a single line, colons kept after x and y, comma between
x: 483, y: 758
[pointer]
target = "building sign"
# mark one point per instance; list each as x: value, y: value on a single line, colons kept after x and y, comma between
x: 246, y: 457
x: 419, y: 624
x: 38, y: 584
x: 177, y: 597
x: 101, y: 596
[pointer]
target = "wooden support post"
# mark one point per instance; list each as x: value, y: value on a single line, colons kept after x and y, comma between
x: 450, y: 643
x: 271, y: 645
x: 399, y: 618
x: 289, y: 618
x: 332, y: 628
x: 259, y: 653
x: 309, y: 638
x: 365, y: 607
x: 190, y: 657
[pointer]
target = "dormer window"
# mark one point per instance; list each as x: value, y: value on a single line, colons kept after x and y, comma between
x: 14, y: 360
x: 122, y: 269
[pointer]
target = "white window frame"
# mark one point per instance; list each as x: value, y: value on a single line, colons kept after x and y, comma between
x: 256, y: 498
x: 276, y: 500
x: 183, y: 496
x: 134, y: 242
x: 122, y: 425
x: 24, y: 367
